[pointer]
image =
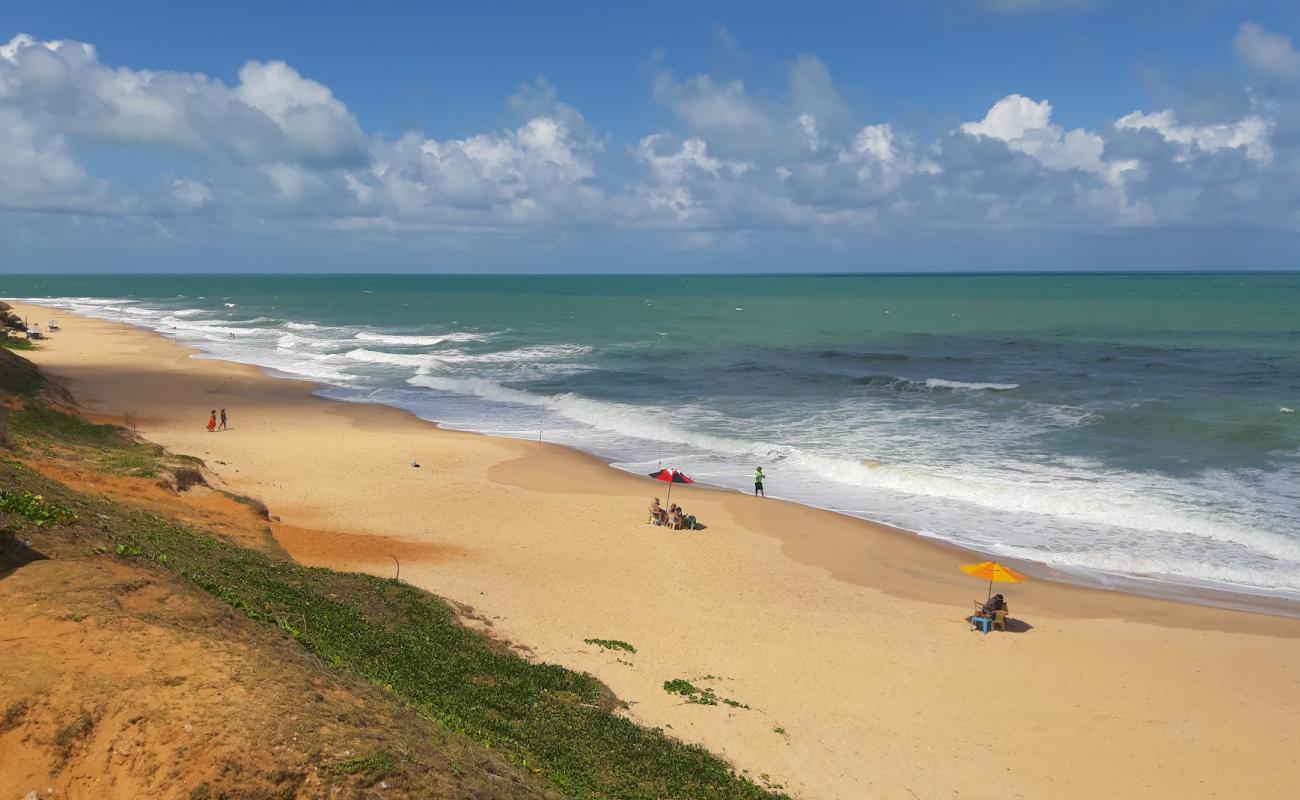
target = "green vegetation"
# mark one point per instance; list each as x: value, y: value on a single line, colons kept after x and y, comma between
x: 16, y: 343
x: 18, y: 375
x: 557, y: 724
x: 372, y: 765
x: 16, y: 710
x: 106, y: 448
x: 73, y: 732
x: 611, y: 644
x: 691, y: 692
x: 251, y: 502
x: 35, y: 508
x: 40, y: 420
x: 545, y: 718
x: 699, y: 695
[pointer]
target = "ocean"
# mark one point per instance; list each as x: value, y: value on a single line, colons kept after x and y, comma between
x: 1139, y: 429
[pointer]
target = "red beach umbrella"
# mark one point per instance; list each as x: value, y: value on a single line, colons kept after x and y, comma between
x: 671, y: 476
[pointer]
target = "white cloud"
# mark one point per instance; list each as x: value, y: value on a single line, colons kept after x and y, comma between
x: 272, y: 115
x: 535, y: 174
x: 1026, y: 126
x: 191, y: 194
x: 39, y: 172
x: 275, y: 146
x: 1269, y: 54
x: 1250, y: 133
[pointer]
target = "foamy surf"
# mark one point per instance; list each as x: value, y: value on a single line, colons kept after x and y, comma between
x: 1134, y: 459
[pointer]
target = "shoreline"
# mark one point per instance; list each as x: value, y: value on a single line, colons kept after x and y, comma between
x: 847, y: 636
x: 1148, y: 588
x: 1206, y: 595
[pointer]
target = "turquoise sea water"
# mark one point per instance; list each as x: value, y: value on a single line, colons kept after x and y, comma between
x: 1108, y: 425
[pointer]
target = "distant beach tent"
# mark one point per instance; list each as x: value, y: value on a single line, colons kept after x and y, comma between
x: 993, y: 572
x: 671, y: 476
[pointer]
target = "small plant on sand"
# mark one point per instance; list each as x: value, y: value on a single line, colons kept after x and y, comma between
x: 779, y: 731
x: 692, y: 693
x: 699, y: 695
x: 611, y: 644
x: 67, y: 736
x: 251, y: 502
x: 35, y: 508
x: 15, y: 712
x: 372, y: 766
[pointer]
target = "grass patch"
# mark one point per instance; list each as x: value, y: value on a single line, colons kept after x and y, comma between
x: 36, y: 509
x: 371, y: 766
x: 67, y: 736
x: 16, y: 343
x: 13, y: 714
x: 251, y: 502
x: 38, y: 420
x: 104, y: 447
x: 543, y: 717
x: 611, y: 644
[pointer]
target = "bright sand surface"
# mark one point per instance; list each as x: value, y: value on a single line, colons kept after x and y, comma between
x: 845, y: 639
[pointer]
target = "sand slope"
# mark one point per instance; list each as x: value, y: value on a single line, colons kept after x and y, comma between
x: 846, y: 636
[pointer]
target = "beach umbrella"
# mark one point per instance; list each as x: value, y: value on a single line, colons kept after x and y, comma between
x: 671, y: 476
x: 993, y: 572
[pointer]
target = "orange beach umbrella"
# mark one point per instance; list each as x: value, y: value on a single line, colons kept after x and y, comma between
x: 993, y: 572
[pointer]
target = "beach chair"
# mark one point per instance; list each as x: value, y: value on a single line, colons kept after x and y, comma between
x: 980, y: 619
x: 1000, y: 620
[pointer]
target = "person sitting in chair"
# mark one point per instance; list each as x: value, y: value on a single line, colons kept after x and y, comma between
x: 656, y: 512
x: 994, y: 604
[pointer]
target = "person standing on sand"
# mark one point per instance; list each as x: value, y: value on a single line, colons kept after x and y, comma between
x: 758, y: 482
x: 212, y: 420
x: 222, y: 426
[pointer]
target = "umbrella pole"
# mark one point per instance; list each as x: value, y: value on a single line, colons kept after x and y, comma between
x: 670, y: 493
x: 990, y: 591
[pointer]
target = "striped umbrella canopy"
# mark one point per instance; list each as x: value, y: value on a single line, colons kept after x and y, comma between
x: 993, y: 572
x: 671, y: 476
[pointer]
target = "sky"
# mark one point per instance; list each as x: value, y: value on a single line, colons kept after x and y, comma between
x: 917, y: 135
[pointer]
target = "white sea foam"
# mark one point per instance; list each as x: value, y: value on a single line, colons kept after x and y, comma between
x: 1111, y: 503
x: 1068, y: 512
x: 396, y: 359
x: 402, y: 340
x: 522, y: 354
x: 941, y: 383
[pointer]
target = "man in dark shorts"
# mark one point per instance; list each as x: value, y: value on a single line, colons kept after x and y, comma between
x: 758, y: 482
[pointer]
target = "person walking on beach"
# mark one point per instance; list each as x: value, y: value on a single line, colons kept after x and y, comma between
x: 222, y: 426
x: 758, y: 482
x: 212, y: 420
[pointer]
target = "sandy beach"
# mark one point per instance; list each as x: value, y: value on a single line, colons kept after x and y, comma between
x: 845, y: 640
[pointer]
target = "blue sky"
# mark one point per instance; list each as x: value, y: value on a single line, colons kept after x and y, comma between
x: 934, y: 134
